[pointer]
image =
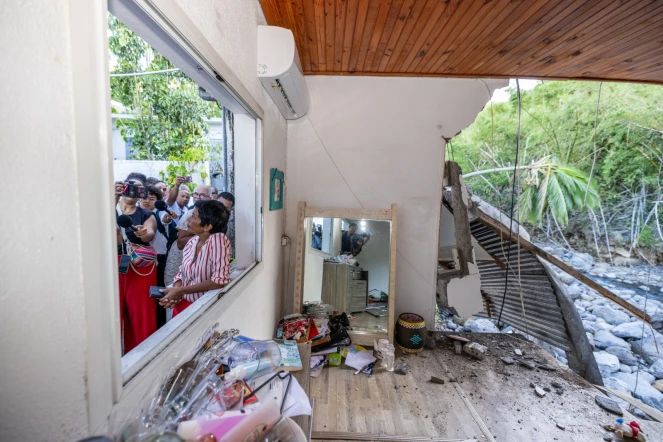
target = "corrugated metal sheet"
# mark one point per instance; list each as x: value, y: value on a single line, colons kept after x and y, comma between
x: 542, y: 316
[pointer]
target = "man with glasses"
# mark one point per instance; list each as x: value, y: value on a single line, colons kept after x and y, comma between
x: 214, y: 193
x: 201, y: 192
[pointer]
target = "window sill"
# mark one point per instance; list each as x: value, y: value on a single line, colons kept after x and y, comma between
x: 138, y: 358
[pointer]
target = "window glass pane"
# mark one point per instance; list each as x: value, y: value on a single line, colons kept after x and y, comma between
x: 185, y: 172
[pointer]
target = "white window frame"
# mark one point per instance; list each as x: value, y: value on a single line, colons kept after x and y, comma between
x: 167, y: 28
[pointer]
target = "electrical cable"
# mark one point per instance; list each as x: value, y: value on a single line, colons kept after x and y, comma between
x: 596, y: 121
x: 513, y: 196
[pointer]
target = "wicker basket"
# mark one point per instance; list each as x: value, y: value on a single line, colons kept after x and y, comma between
x: 410, y: 329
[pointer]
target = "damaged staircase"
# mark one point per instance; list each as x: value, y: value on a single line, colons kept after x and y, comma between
x: 535, y: 301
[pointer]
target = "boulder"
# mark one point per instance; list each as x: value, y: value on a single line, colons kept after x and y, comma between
x: 632, y: 330
x: 582, y: 261
x: 623, y: 354
x: 610, y: 315
x: 607, y: 363
x: 657, y: 369
x: 589, y: 329
x: 574, y: 291
x: 616, y: 384
x: 645, y: 392
x: 600, y: 324
x: 566, y: 278
x: 625, y: 368
x: 647, y: 349
x: 605, y: 339
x: 482, y: 325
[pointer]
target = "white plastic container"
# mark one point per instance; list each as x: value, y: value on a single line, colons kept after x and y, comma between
x: 255, y: 424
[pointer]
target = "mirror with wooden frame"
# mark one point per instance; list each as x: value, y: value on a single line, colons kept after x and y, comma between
x: 346, y: 258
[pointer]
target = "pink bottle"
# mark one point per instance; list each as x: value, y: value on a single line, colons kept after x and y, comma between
x: 218, y: 425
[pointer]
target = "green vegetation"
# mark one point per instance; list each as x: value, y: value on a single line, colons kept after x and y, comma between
x: 168, y: 115
x: 557, y: 156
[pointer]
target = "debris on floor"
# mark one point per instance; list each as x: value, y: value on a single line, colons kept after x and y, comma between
x: 476, y: 350
x: 401, y: 368
x: 436, y: 380
x: 518, y: 351
x: 507, y: 360
x: 540, y: 392
x: 629, y: 430
x: 608, y: 405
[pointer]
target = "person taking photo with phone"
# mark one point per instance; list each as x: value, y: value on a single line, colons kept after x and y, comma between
x: 137, y: 264
x: 206, y: 257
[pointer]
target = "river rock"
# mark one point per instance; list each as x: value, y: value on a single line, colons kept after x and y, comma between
x: 611, y: 275
x: 646, y: 348
x: 645, y: 392
x: 625, y: 368
x: 482, y: 325
x: 607, y: 363
x: 605, y: 339
x: 566, y: 278
x: 657, y: 369
x: 589, y: 329
x: 658, y: 385
x: 623, y: 354
x: 610, y: 315
x: 582, y: 261
x: 574, y: 291
x: 600, y: 324
x: 631, y: 330
x: 590, y: 338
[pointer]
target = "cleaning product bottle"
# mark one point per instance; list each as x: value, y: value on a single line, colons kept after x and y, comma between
x: 255, y: 424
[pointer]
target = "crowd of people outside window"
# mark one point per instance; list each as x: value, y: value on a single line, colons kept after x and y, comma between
x: 170, y: 252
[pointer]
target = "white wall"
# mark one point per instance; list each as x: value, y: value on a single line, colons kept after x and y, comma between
x: 56, y: 358
x: 43, y: 316
x: 374, y: 256
x: 385, y: 136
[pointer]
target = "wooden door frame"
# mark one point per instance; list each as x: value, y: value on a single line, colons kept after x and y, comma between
x: 304, y: 211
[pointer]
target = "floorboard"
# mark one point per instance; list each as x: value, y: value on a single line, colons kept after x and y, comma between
x: 410, y: 405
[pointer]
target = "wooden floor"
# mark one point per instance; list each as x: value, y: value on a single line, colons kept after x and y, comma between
x: 500, y: 404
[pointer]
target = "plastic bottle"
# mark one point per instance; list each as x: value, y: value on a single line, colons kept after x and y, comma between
x: 250, y: 369
x: 255, y: 424
x: 210, y: 424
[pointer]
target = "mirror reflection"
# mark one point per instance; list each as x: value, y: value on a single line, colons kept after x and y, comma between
x: 346, y: 266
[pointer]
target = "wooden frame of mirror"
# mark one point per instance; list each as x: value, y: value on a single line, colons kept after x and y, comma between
x: 304, y: 211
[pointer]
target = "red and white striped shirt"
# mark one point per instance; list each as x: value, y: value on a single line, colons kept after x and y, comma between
x: 213, y: 263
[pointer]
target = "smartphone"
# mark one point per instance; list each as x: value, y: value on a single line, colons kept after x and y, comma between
x: 156, y: 293
x: 186, y: 179
x: 123, y: 266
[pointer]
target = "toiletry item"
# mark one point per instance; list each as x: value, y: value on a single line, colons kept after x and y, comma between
x: 254, y: 358
x: 250, y: 369
x: 255, y: 424
x: 218, y: 425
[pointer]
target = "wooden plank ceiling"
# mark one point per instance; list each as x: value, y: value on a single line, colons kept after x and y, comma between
x: 599, y: 39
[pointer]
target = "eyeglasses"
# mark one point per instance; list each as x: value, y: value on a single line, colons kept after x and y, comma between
x: 201, y: 195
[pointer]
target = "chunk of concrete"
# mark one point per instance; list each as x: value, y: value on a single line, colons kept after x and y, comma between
x: 608, y: 405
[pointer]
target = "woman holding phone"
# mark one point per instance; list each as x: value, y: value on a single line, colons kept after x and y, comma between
x: 137, y: 262
x: 206, y: 257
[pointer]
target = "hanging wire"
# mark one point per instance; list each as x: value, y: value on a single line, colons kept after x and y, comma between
x: 513, y: 203
x: 596, y: 123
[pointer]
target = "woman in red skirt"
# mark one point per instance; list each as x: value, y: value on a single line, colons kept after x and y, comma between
x: 206, y: 257
x: 138, y: 273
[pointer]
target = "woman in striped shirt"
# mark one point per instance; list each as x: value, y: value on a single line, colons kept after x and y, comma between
x: 206, y: 257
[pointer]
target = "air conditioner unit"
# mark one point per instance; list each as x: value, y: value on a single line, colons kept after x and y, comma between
x: 280, y: 71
